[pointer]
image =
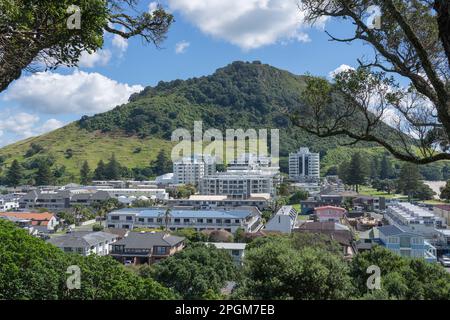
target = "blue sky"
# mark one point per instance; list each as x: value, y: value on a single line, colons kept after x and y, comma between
x: 207, y: 34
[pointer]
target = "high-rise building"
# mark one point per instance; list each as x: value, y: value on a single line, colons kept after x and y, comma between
x: 190, y: 170
x: 304, y: 165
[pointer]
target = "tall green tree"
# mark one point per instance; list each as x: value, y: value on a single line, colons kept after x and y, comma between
x: 85, y: 173
x: 386, y: 171
x: 15, y: 174
x: 409, y: 178
x: 357, y: 171
x: 113, y: 169
x: 55, y: 33
x: 411, y: 43
x: 100, y: 171
x: 445, y: 191
x: 44, y: 175
x: 162, y: 164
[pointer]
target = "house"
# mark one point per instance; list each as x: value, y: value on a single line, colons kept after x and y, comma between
x: 329, y: 214
x: 335, y: 231
x: 406, y: 244
x: 146, y: 247
x: 9, y: 202
x: 44, y: 220
x: 236, y: 250
x: 85, y: 242
x: 283, y: 221
x: 246, y: 218
x: 367, y: 203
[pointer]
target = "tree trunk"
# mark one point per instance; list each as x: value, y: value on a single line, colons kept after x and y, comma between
x: 442, y: 8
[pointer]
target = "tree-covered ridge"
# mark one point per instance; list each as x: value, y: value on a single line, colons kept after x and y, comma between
x: 240, y: 95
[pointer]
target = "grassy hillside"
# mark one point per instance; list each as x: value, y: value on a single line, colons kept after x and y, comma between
x: 240, y: 95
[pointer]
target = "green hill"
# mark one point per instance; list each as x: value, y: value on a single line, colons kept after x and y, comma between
x: 240, y: 95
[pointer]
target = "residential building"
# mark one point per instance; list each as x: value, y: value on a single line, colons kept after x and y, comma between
x: 367, y: 203
x: 414, y: 219
x: 261, y: 201
x: 9, y: 202
x: 189, y: 170
x: 283, y: 221
x: 240, y: 184
x: 133, y: 194
x: 85, y: 243
x: 45, y: 220
x: 236, y: 250
x: 146, y: 247
x: 406, y: 244
x: 443, y: 211
x: 329, y: 214
x: 247, y: 218
x: 304, y: 166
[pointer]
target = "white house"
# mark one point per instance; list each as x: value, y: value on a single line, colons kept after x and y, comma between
x: 283, y: 221
x: 236, y: 250
x: 85, y: 242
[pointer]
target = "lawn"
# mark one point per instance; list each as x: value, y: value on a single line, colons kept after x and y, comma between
x: 368, y: 191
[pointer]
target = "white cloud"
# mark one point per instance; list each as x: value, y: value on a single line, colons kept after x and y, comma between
x: 21, y: 124
x: 98, y: 58
x: 152, y: 6
x: 79, y: 93
x: 341, y: 68
x: 50, y: 125
x: 120, y: 43
x: 248, y: 24
x: 181, y: 47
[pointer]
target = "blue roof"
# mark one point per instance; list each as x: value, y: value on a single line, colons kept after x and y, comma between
x: 154, y: 213
x: 392, y: 230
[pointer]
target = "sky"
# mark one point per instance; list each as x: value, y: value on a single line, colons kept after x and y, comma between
x: 206, y: 35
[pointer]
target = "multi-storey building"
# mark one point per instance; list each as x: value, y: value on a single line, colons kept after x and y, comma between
x: 304, y: 165
x: 9, y: 202
x: 248, y: 219
x: 240, y: 184
x: 415, y: 219
x: 198, y: 201
x: 283, y: 221
x: 190, y: 170
x: 85, y: 242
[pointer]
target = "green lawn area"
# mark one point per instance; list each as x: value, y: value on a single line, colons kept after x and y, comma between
x: 368, y: 191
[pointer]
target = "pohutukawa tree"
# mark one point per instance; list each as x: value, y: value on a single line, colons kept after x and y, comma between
x: 399, y: 97
x: 39, y: 35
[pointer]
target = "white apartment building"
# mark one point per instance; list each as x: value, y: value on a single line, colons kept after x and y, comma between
x: 247, y: 218
x: 9, y: 202
x: 240, y: 184
x: 304, y: 166
x: 283, y: 221
x: 154, y: 194
x: 190, y: 170
x: 415, y: 219
x: 85, y: 242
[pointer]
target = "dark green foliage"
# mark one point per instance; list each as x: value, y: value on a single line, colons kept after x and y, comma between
x: 44, y: 174
x: 195, y: 271
x: 401, y: 278
x: 281, y: 268
x: 113, y: 169
x: 445, y: 191
x: 85, y: 174
x: 386, y: 171
x: 33, y: 269
x: 182, y: 192
x: 298, y: 196
x: 34, y: 149
x: 15, y: 174
x: 100, y: 171
x: 162, y: 164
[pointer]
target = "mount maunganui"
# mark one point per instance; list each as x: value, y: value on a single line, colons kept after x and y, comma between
x: 240, y: 95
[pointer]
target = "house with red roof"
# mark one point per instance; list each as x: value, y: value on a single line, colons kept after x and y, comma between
x: 329, y: 214
x: 44, y: 220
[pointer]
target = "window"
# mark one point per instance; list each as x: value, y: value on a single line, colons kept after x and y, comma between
x: 393, y: 240
x: 141, y: 219
x: 177, y: 220
x: 114, y: 217
x: 186, y: 220
x: 200, y: 220
x: 160, y: 250
x: 129, y: 218
x: 209, y: 221
x: 218, y: 220
x: 227, y: 221
x: 150, y: 220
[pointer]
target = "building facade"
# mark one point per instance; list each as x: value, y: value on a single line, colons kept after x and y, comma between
x: 190, y: 170
x: 85, y: 243
x: 283, y: 221
x: 304, y: 166
x: 249, y: 219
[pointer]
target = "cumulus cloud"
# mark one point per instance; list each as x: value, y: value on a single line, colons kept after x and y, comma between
x: 152, y: 6
x: 341, y: 68
x: 120, y: 43
x: 76, y: 93
x: 50, y: 125
x: 98, y: 58
x: 181, y: 47
x: 248, y: 24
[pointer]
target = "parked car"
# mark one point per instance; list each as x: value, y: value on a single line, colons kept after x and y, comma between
x: 445, y: 261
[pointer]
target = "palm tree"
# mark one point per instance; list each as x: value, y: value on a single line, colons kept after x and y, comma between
x: 166, y: 218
